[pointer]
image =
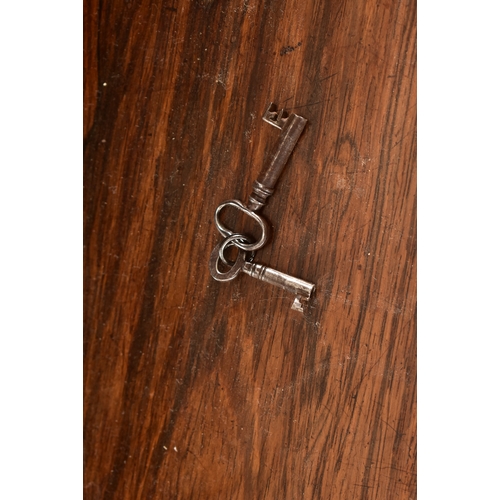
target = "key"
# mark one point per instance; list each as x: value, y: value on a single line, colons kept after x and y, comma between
x: 291, y: 127
x: 300, y: 288
x: 291, y: 130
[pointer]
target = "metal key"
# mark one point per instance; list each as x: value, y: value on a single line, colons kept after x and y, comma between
x: 291, y: 127
x: 302, y: 289
x: 291, y: 130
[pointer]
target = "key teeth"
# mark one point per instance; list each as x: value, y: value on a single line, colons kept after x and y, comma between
x: 282, y: 116
x: 297, y: 305
x: 274, y: 117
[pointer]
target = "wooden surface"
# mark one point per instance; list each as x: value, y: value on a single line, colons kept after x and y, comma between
x: 196, y: 389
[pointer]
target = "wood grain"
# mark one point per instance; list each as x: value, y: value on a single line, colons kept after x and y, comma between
x: 199, y: 389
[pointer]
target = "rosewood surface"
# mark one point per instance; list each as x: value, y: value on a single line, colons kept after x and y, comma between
x: 196, y: 389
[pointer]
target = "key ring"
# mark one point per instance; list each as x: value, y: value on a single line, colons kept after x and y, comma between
x: 226, y: 232
x: 231, y: 241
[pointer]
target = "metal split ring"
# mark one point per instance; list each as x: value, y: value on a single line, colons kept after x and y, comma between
x: 239, y: 241
x: 231, y: 241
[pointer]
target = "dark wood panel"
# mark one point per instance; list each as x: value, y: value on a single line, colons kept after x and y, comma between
x: 199, y: 389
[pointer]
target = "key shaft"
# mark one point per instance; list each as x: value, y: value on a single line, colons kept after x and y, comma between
x: 291, y: 129
x: 300, y: 288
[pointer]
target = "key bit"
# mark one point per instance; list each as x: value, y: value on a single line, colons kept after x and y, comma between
x: 274, y: 117
x: 291, y: 127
